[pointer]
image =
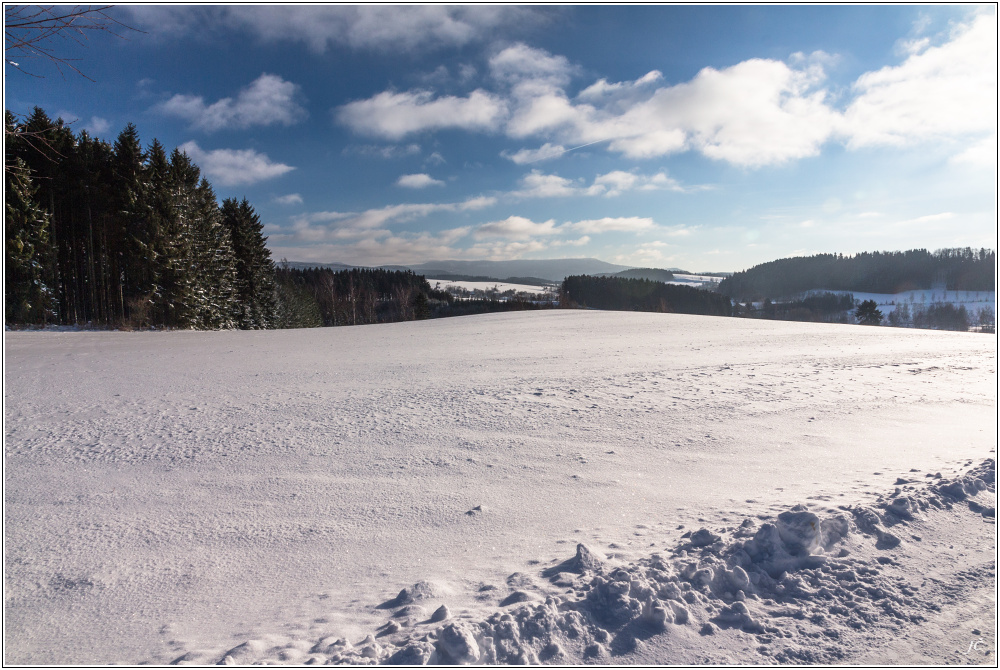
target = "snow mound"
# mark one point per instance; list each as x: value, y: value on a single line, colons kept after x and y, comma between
x: 796, y: 585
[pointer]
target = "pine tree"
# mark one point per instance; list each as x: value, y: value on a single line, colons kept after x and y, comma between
x: 255, y: 285
x: 133, y: 235
x: 213, y: 264
x: 27, y: 291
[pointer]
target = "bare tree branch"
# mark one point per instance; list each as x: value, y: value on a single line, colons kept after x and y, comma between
x: 30, y: 31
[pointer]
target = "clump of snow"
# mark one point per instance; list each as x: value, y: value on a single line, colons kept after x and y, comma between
x: 801, y: 586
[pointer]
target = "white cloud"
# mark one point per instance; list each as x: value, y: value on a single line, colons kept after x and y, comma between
x: 506, y: 250
x: 418, y: 181
x: 384, y: 28
x: 579, y: 242
x: 233, y: 167
x: 435, y: 159
x: 982, y: 154
x: 618, y: 181
x: 516, y: 228
x: 290, y: 199
x: 377, y: 248
x: 612, y: 224
x: 649, y: 254
x: 537, y: 184
x: 395, y: 115
x: 943, y: 91
x: 98, y: 125
x: 389, y: 151
x: 325, y: 226
x: 620, y: 94
x: 521, y: 65
x: 545, y: 152
x: 266, y: 101
x: 755, y: 113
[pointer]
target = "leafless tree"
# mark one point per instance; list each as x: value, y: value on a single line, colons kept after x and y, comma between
x: 31, y: 32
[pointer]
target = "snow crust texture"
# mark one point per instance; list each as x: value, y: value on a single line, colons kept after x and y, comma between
x: 196, y: 495
x: 799, y: 584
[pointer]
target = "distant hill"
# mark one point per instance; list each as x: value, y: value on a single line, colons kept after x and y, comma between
x: 875, y: 272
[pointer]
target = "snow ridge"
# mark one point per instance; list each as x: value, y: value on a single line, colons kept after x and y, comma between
x: 797, y: 585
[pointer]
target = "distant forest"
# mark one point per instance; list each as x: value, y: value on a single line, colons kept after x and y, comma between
x: 642, y: 295
x: 875, y: 272
x: 322, y: 297
x: 653, y: 274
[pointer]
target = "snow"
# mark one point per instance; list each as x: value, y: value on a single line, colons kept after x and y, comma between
x: 696, y: 281
x: 322, y: 493
x: 972, y: 300
x: 500, y: 287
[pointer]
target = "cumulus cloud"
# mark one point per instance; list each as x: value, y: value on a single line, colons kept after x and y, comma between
x: 754, y: 113
x: 516, y: 228
x: 394, y: 115
x: 943, y: 91
x: 521, y: 65
x: 234, y: 167
x: 540, y: 185
x: 290, y: 199
x: 266, y: 101
x: 418, y: 181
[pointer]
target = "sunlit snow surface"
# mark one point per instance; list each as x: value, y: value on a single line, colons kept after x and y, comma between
x: 172, y: 494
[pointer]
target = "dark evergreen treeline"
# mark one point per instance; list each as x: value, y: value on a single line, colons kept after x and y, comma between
x: 121, y: 236
x: 824, y: 307
x: 876, y: 272
x: 322, y: 297
x: 641, y: 295
x: 653, y: 274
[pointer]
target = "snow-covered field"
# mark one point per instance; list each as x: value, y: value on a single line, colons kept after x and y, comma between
x: 318, y: 495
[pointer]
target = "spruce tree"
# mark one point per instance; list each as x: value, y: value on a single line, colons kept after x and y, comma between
x: 254, y: 268
x: 27, y: 292
x: 212, y: 264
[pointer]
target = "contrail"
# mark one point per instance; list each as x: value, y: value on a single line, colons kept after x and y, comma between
x: 566, y: 151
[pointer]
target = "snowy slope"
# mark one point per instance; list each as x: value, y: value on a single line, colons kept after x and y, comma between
x: 176, y: 495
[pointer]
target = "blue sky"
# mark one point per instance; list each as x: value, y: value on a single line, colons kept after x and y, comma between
x: 710, y: 138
